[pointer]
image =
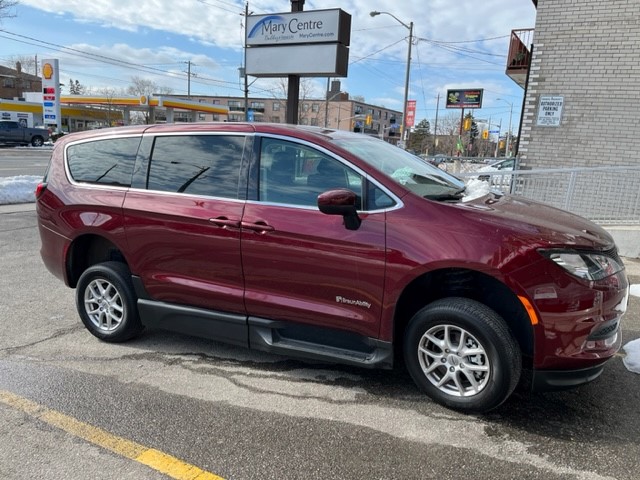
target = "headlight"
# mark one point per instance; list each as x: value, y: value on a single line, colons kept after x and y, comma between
x: 588, y: 266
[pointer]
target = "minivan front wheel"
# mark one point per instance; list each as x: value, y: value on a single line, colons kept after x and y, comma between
x: 106, y: 302
x: 462, y: 354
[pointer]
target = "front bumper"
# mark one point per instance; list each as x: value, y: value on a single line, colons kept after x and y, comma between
x: 549, y: 380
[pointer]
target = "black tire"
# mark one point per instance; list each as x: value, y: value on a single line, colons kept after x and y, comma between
x: 475, y: 378
x: 106, y: 302
x: 37, y: 141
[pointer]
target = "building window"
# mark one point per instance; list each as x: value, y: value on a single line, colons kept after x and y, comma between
x: 358, y: 110
x: 257, y: 105
x: 314, y: 122
x: 276, y: 106
x: 8, y: 83
x: 305, y: 107
x: 275, y: 119
x: 315, y: 108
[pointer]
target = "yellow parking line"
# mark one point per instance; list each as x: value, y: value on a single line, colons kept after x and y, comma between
x: 155, y: 459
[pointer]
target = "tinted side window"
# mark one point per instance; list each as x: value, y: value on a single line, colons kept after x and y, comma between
x: 296, y: 174
x: 108, y: 161
x: 197, y: 165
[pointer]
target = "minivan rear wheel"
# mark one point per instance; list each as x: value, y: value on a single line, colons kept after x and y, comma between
x: 106, y: 302
x: 462, y: 354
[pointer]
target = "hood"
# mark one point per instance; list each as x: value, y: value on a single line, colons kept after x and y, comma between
x: 545, y: 225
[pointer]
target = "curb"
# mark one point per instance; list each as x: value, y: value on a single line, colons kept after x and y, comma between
x: 17, y: 208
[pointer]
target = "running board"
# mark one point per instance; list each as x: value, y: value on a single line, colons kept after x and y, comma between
x: 336, y: 347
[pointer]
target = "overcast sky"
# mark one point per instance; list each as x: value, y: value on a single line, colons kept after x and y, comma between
x: 103, y: 43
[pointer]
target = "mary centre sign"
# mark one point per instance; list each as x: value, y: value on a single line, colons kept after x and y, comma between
x: 312, y: 43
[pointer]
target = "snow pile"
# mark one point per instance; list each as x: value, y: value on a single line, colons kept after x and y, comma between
x: 476, y: 189
x: 632, y: 360
x: 19, y: 189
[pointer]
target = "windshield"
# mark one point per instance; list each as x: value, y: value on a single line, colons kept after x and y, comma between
x: 408, y: 170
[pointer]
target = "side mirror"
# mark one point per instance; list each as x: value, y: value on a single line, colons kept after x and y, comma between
x: 341, y: 202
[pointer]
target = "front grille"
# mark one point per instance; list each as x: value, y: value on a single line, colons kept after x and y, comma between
x: 606, y: 330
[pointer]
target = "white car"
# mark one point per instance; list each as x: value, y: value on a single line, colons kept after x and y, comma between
x: 502, y: 180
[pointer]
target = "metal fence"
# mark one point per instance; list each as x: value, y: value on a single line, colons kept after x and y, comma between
x: 605, y: 195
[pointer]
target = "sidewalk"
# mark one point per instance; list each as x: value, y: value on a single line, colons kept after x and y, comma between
x: 632, y: 266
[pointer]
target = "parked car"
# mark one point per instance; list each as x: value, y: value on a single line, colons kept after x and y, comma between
x: 501, y: 178
x: 16, y: 133
x: 332, y: 246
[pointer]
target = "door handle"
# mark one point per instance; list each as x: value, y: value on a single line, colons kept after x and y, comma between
x: 225, y: 222
x: 259, y: 226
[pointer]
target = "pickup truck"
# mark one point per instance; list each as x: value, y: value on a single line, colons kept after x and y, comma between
x: 14, y: 132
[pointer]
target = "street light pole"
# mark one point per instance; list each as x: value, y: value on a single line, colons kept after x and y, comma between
x: 408, y: 72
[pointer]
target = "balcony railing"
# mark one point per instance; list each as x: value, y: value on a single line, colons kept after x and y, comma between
x: 519, y: 56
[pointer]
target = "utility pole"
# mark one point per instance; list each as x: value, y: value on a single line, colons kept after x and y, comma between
x: 435, y: 128
x: 244, y: 68
x: 293, y: 91
x: 188, y: 62
x: 326, y: 105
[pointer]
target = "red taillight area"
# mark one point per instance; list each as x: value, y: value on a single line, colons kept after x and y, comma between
x: 40, y: 188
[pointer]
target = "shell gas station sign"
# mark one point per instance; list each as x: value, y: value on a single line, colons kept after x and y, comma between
x: 51, y: 114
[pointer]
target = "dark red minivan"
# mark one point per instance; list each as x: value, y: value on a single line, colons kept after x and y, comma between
x: 333, y: 246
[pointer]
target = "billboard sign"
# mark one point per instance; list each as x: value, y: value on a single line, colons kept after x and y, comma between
x: 318, y: 26
x: 313, y: 44
x: 465, y: 98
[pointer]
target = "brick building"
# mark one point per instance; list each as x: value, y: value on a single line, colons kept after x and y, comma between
x: 337, y: 111
x: 14, y: 83
x: 585, y: 56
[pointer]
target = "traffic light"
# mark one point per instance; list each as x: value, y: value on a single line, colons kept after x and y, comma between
x: 485, y: 134
x: 466, y: 125
x: 368, y: 120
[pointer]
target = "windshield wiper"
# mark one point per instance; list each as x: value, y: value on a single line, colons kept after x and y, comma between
x: 457, y: 195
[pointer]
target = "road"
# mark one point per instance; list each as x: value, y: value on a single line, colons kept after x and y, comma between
x: 23, y: 161
x: 72, y: 407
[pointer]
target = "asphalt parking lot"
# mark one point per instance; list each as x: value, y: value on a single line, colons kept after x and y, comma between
x: 244, y: 415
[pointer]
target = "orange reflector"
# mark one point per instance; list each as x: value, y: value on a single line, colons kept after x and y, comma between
x: 533, y: 316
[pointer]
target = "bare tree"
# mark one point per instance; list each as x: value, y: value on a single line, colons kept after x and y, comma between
x: 27, y: 63
x: 111, y: 112
x: 305, y: 110
x: 142, y: 87
x: 448, y: 131
x: 5, y: 8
